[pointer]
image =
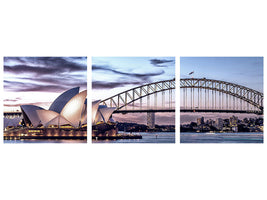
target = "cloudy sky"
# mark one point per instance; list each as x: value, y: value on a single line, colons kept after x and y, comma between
x: 112, y: 75
x: 40, y: 80
x: 246, y: 71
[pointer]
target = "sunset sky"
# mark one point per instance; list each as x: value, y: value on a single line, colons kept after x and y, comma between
x: 40, y: 80
x: 112, y: 75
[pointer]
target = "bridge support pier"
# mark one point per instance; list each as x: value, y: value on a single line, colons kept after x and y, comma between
x: 151, y: 120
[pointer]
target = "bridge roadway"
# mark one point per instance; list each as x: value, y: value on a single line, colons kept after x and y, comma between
x: 123, y: 111
x: 12, y: 114
x: 221, y: 111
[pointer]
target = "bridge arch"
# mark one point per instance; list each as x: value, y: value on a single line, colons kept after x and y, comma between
x: 252, y: 97
x: 127, y: 97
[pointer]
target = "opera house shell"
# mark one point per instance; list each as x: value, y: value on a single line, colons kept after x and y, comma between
x: 70, y: 108
x: 101, y: 113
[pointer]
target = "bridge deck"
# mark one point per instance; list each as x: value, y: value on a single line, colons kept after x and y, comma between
x: 145, y: 110
x: 222, y: 111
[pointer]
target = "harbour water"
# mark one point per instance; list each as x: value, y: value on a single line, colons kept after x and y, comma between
x: 69, y: 141
x: 155, y: 137
x: 247, y: 137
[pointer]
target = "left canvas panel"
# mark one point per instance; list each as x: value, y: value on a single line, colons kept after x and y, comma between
x: 45, y: 99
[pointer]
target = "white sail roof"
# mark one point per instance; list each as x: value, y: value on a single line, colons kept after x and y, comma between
x: 84, y: 115
x: 46, y: 115
x: 98, y: 118
x: 72, y: 111
x: 58, y: 120
x: 95, y: 105
x: 63, y: 99
x: 103, y: 113
x: 106, y: 113
x: 31, y: 114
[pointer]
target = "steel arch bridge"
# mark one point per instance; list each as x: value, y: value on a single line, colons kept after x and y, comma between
x: 207, y: 95
x: 145, y: 98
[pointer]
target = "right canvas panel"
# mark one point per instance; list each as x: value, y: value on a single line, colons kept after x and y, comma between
x: 221, y: 100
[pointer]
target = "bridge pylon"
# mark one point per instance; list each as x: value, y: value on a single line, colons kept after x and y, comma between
x: 151, y: 120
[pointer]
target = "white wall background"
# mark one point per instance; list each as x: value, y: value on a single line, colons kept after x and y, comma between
x: 132, y: 28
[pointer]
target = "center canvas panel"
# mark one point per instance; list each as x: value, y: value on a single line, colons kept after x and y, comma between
x: 133, y: 100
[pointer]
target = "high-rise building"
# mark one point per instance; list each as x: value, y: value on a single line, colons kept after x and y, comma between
x: 233, y: 121
x: 200, y: 121
x: 210, y: 122
x: 219, y: 123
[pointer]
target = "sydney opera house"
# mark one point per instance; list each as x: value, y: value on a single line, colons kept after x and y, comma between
x: 70, y: 108
x: 65, y: 118
x: 104, y: 127
x: 101, y: 113
x: 102, y: 122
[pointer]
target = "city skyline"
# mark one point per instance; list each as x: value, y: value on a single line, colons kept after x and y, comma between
x: 228, y: 124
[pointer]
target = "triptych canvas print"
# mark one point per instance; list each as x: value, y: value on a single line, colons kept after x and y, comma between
x: 133, y: 100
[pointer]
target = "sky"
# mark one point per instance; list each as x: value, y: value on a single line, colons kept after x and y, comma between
x: 40, y: 80
x: 245, y: 71
x: 112, y: 75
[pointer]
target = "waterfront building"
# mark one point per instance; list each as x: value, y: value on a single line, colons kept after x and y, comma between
x: 233, y: 121
x: 210, y: 122
x: 102, y: 122
x: 226, y: 122
x: 219, y: 123
x: 235, y: 128
x: 70, y: 108
x: 101, y: 113
x: 200, y: 121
